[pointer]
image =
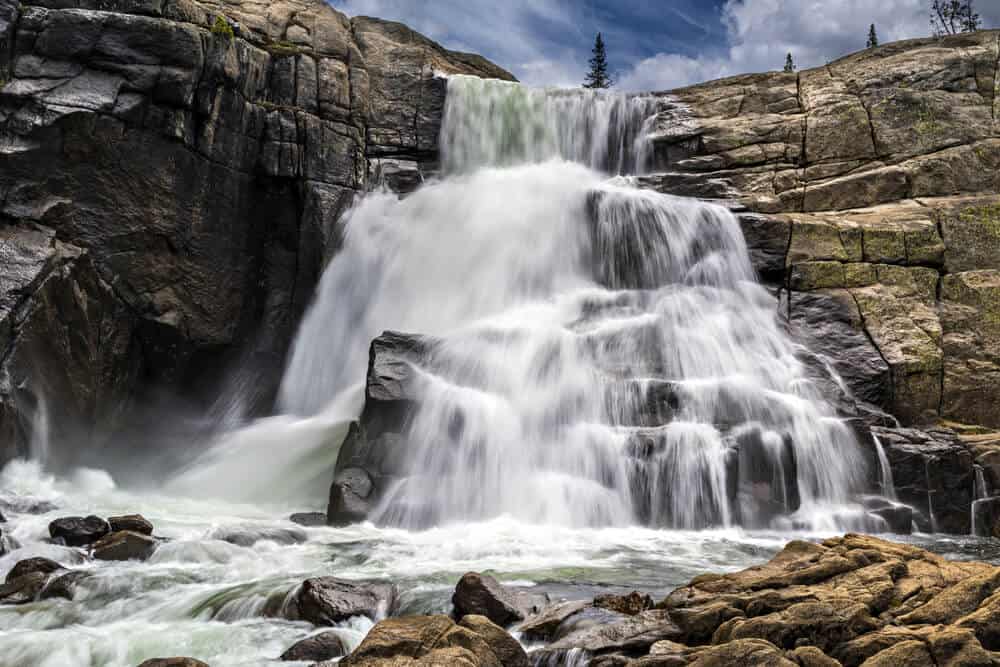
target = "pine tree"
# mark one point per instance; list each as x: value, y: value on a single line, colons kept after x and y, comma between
x: 598, y: 76
x: 789, y: 64
x: 872, y: 37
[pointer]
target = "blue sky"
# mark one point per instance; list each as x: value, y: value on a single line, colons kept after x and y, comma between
x: 656, y: 44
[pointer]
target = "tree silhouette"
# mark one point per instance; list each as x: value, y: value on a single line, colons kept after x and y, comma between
x: 872, y: 37
x: 950, y: 17
x: 598, y: 76
x: 789, y: 64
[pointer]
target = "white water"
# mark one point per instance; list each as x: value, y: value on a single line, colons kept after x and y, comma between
x: 562, y: 302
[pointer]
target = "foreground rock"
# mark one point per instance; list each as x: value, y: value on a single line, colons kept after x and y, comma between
x: 78, y: 531
x: 133, y: 522
x: 481, y: 594
x: 849, y: 601
x: 27, y: 581
x: 124, y: 545
x: 329, y: 600
x: 173, y: 662
x: 324, y: 646
x: 437, y: 640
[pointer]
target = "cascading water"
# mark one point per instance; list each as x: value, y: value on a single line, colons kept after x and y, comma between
x: 604, y: 354
x: 603, y: 358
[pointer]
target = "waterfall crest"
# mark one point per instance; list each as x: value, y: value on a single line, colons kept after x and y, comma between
x: 602, y: 355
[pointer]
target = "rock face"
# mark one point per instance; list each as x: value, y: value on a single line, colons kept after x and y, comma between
x: 883, y: 168
x: 848, y: 601
x: 437, y: 640
x: 169, y: 193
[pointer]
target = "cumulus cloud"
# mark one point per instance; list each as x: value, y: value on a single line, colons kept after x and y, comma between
x: 661, y: 45
x: 761, y: 32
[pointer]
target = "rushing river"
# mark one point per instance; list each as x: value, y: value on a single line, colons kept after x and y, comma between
x: 498, y: 250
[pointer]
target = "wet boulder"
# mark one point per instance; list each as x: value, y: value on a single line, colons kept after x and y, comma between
x: 330, y: 600
x: 78, y: 531
x: 124, y: 545
x: 23, y: 589
x: 482, y: 595
x: 933, y: 473
x: 323, y: 646
x: 351, y: 497
x: 133, y: 522
x: 613, y: 634
x: 28, y: 566
x: 173, y: 662
x: 437, y: 640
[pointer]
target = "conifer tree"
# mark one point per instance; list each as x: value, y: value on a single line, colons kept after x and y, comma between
x: 872, y: 37
x: 789, y: 64
x: 598, y: 76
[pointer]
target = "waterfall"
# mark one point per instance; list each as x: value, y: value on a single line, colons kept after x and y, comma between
x: 885, y: 470
x: 488, y: 122
x: 603, y: 355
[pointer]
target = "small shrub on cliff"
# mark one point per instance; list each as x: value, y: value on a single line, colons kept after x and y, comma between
x: 222, y: 28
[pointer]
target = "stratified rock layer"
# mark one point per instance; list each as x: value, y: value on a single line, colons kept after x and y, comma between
x: 169, y: 192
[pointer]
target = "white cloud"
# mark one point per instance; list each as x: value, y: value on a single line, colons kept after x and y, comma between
x: 544, y: 42
x: 762, y: 32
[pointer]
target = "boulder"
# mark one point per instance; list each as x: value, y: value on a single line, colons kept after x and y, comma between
x: 329, y: 600
x: 31, y: 565
x: 124, y: 545
x: 173, y: 662
x: 482, y: 595
x: 77, y: 531
x: 323, y: 646
x: 23, y: 589
x: 437, y: 640
x: 133, y: 522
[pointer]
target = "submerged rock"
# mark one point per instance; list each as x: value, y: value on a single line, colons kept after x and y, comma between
x: 133, y: 522
x: 247, y: 536
x: 437, y: 640
x: 322, y: 646
x: 329, y: 600
x: 63, y: 585
x: 124, y: 545
x: 481, y: 594
x: 78, y: 531
x: 308, y: 518
x: 173, y: 662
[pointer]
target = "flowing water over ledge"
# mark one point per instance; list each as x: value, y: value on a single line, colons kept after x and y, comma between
x: 560, y: 298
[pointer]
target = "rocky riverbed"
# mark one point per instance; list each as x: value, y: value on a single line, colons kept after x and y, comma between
x: 251, y: 587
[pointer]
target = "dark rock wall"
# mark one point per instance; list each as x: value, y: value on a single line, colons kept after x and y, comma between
x: 185, y: 184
